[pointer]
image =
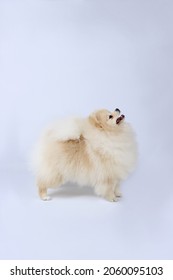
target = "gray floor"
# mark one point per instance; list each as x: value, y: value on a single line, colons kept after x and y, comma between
x: 76, y: 224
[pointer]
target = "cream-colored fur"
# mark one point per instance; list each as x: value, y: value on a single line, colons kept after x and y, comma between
x: 93, y: 151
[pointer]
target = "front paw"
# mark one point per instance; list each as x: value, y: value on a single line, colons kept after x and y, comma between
x: 46, y: 198
x: 111, y: 198
x: 118, y: 194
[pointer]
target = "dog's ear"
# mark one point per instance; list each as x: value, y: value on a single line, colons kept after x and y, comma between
x: 95, y: 120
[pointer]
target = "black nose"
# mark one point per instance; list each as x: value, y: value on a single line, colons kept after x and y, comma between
x: 117, y: 110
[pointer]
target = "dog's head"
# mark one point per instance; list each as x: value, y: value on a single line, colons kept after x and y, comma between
x: 104, y: 119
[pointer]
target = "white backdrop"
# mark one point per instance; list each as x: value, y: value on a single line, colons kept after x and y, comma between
x: 61, y: 58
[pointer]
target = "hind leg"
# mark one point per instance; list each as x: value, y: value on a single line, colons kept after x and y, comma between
x: 43, y: 187
x: 42, y: 190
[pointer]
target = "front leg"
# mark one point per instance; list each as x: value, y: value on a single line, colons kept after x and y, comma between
x: 106, y: 191
x: 117, y: 191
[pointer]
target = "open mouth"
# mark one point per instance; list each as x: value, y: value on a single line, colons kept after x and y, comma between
x: 119, y: 119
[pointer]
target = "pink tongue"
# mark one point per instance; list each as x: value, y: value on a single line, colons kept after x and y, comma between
x: 120, y: 119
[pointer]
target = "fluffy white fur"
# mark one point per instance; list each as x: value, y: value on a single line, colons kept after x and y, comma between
x: 94, y: 151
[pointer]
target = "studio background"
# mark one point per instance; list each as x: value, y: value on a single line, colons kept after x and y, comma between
x: 60, y: 58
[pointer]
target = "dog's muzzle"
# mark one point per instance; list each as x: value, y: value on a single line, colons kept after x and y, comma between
x: 118, y: 120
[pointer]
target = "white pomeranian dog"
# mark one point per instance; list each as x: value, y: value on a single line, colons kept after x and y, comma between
x: 97, y: 151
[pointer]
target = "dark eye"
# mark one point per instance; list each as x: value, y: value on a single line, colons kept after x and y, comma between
x: 110, y: 116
